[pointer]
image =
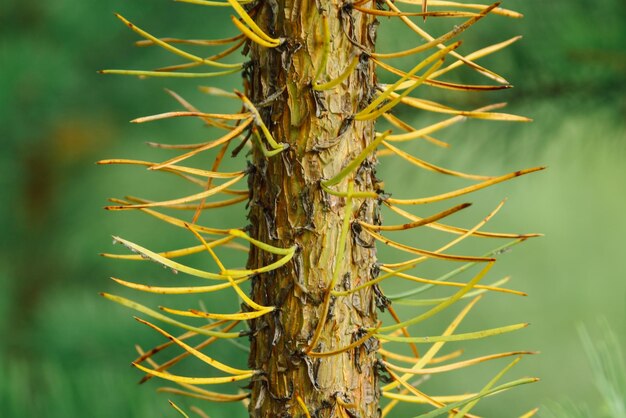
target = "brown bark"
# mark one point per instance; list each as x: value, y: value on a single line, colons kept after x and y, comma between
x: 288, y: 207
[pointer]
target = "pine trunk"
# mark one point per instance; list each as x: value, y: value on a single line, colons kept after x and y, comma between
x: 288, y: 207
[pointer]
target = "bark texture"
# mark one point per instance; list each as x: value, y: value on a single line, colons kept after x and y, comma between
x: 288, y: 207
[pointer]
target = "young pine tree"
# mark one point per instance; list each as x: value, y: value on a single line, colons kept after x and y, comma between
x: 312, y: 119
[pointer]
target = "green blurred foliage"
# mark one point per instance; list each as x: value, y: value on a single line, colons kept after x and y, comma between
x: 63, y: 349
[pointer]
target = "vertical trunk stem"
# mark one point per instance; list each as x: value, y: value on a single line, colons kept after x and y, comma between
x: 288, y: 207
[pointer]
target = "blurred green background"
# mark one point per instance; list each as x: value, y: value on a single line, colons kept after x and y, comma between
x: 64, y: 350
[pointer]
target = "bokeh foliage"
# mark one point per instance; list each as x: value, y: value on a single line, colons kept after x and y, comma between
x: 63, y: 349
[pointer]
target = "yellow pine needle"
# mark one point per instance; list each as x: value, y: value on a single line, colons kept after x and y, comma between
x: 237, y: 289
x: 404, y: 266
x: 480, y: 289
x: 169, y: 263
x: 404, y: 331
x: 189, y: 178
x: 420, y: 397
x: 154, y: 365
x: 211, y: 396
x: 214, y: 57
x: 303, y: 406
x: 347, y: 348
x: 250, y: 272
x: 170, y: 363
x: 456, y: 337
x: 454, y: 241
x: 191, y: 108
x: 407, y: 265
x: 167, y: 254
x: 168, y: 115
x: 178, y: 290
x: 442, y: 3
x: 347, y: 217
x: 252, y: 35
x: 530, y: 413
x: 430, y: 39
x: 195, y: 380
x: 417, y: 393
x: 201, y: 356
x: 457, y: 230
x: 354, y: 164
x: 340, y: 79
x: 252, y: 24
x: 143, y: 356
x: 383, y: 153
x: 438, y: 108
x: 446, y: 357
x: 476, y: 227
x: 199, y: 411
x: 433, y: 58
x: 417, y: 223
x: 242, y: 192
x: 410, y: 359
x: 216, y: 164
x: 178, y: 222
x: 360, y: 287
x: 443, y: 305
x: 463, y: 412
x: 455, y: 366
x: 341, y: 402
x: 172, y: 168
x: 239, y: 316
x: 483, y: 52
x: 419, y: 133
x: 209, y: 205
x: 465, y: 190
x: 173, y: 49
x: 213, y: 3
x: 142, y: 73
x: 342, y: 411
x: 263, y: 246
x: 431, y: 254
x: 259, y: 121
x: 151, y: 362
x: 402, y: 125
x: 498, y: 389
x: 216, y: 91
x: 389, y: 407
x: 177, y: 408
x: 199, y: 42
x: 437, y: 83
x: 447, y: 85
x: 191, y: 198
x: 397, y: 98
x: 397, y: 273
x: 267, y: 153
x: 440, y: 40
x: 439, y: 400
x: 432, y: 167
x: 434, y: 349
x: 222, y: 140
x: 399, y: 357
x: 191, y: 146
x: 157, y: 315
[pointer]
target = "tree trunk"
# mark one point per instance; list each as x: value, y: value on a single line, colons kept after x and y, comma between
x: 288, y: 207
